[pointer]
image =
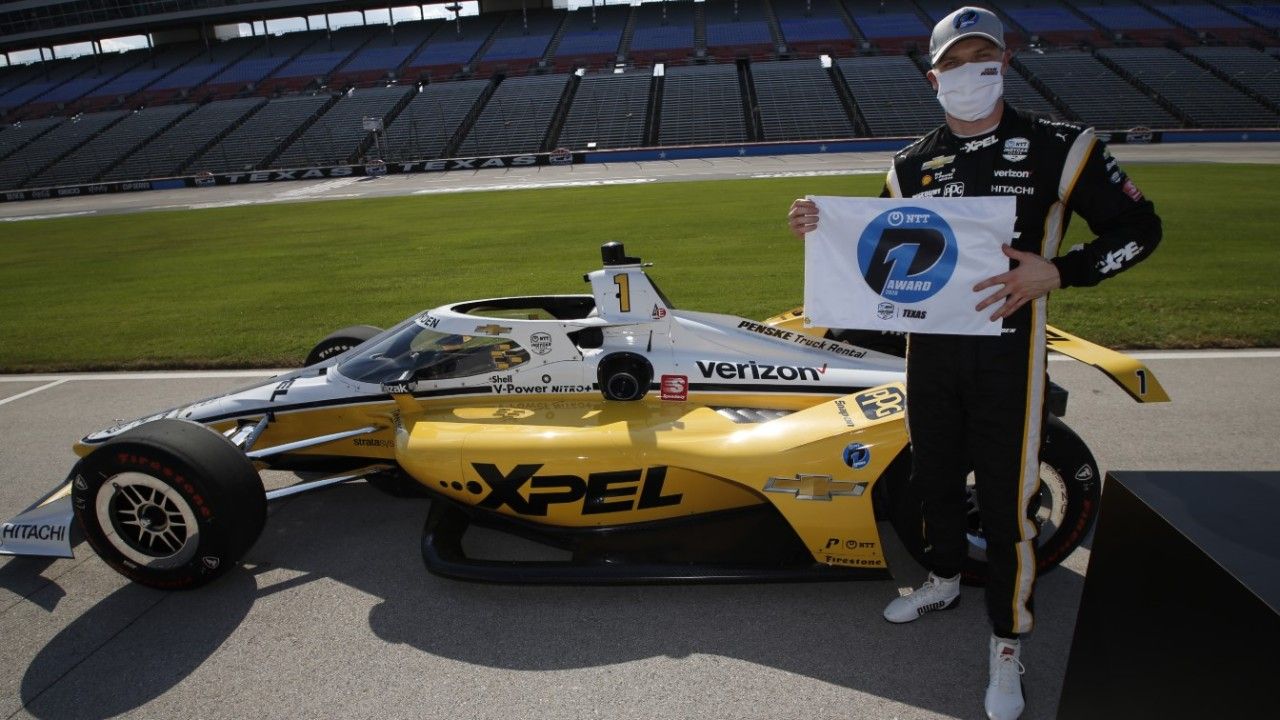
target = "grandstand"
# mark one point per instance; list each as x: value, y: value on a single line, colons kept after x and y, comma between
x: 514, y: 80
x: 799, y: 101
x: 702, y: 104
x: 432, y: 117
x: 608, y: 112
x: 517, y: 117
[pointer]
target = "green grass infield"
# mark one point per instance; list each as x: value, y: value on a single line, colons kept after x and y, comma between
x: 258, y: 285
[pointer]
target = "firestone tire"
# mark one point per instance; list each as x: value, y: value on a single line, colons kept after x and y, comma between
x: 340, y: 341
x: 170, y: 504
x: 1064, y: 509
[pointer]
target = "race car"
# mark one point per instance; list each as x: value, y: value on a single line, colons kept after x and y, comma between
x: 651, y: 443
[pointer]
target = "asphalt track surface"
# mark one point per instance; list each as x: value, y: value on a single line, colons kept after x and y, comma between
x: 586, y: 175
x: 333, y: 615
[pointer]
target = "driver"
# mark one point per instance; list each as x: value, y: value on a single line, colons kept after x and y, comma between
x: 977, y: 402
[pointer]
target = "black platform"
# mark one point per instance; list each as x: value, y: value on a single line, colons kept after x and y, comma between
x: 1180, y: 616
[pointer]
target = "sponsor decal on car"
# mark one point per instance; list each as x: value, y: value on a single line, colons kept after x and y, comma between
x: 848, y: 544
x: 812, y: 486
x: 540, y: 343
x: 856, y: 455
x: 600, y: 492
x: 881, y: 402
x: 674, y: 387
x: 953, y: 189
x: 23, y: 532
x: 759, y: 371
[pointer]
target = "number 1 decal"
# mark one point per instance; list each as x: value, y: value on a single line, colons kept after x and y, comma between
x: 623, y: 281
x: 1142, y: 381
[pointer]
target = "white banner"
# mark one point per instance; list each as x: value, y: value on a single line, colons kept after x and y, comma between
x: 906, y: 265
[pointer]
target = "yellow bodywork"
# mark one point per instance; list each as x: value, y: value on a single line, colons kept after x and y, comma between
x: 1127, y: 372
x: 583, y: 463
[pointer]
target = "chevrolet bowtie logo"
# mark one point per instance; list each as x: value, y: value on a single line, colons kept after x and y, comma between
x: 492, y: 329
x: 814, y: 487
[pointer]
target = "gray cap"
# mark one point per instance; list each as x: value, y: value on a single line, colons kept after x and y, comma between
x: 964, y: 23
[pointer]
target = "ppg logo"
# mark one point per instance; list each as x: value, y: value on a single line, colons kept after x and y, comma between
x: 907, y: 255
x: 965, y: 19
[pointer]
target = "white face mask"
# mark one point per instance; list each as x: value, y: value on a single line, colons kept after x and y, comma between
x: 971, y: 91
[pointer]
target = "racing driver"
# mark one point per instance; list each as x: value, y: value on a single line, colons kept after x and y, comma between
x: 977, y: 402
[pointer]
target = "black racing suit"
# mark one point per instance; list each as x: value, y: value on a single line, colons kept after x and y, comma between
x: 977, y: 402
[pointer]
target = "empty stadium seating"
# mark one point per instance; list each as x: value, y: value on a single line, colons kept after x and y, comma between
x: 1203, y: 84
x: 1262, y: 14
x: 14, y: 136
x: 88, y: 161
x: 663, y: 31
x: 701, y: 105
x: 814, y: 27
x: 517, y: 117
x: 891, y: 25
x: 1206, y: 100
x: 608, y: 110
x: 737, y: 28
x: 383, y: 55
x: 798, y: 101
x: 583, y: 44
x: 451, y: 47
x: 163, y: 156
x: 431, y: 118
x: 246, y: 147
x: 1020, y: 92
x: 892, y: 94
x: 335, y: 136
x: 1255, y: 71
x: 1052, y: 22
x: 1094, y: 93
x: 521, y: 39
x: 1134, y: 22
x: 39, y: 153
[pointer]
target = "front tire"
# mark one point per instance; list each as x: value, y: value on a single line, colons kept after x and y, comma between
x: 170, y: 504
x: 1064, y: 510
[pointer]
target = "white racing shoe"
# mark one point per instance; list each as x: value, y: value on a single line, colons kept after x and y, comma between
x: 935, y: 594
x: 1004, y: 691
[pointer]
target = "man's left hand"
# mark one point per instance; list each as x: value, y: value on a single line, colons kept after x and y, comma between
x: 1032, y: 278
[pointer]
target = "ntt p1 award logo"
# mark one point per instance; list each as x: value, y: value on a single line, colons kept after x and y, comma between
x: 905, y: 265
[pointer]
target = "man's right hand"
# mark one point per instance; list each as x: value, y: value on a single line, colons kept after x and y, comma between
x: 803, y: 217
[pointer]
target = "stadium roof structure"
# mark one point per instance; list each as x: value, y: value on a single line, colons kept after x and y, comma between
x: 29, y: 23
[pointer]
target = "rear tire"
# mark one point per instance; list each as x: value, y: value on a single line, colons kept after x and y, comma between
x: 1064, y: 509
x: 340, y: 341
x: 170, y: 504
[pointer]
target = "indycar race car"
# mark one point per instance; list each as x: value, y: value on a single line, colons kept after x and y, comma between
x: 653, y: 444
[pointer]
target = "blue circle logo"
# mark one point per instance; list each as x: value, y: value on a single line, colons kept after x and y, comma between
x: 907, y: 254
x: 857, y: 455
x: 965, y: 19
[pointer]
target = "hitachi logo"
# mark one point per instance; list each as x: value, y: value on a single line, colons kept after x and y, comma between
x: 758, y: 371
x: 32, y: 532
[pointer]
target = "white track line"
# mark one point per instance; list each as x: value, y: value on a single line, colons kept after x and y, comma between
x: 141, y: 375
x: 32, y: 391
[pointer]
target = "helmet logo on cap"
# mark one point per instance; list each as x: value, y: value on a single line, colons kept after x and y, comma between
x: 965, y: 19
